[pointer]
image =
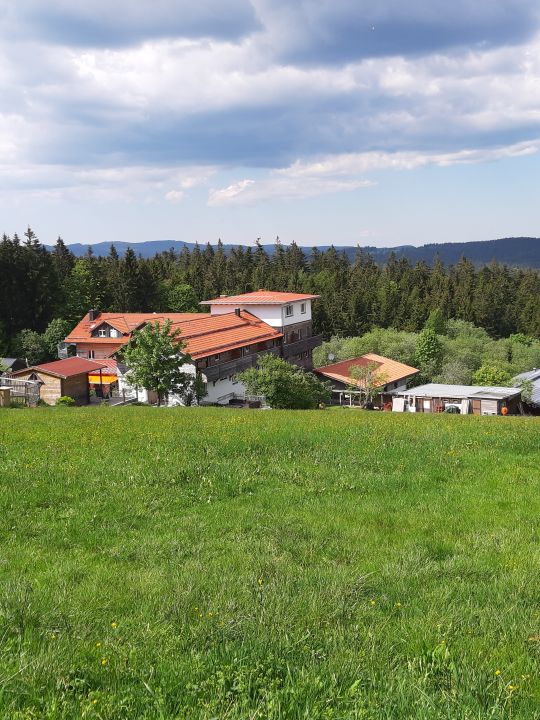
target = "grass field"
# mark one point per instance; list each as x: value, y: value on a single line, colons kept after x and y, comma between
x: 191, y: 564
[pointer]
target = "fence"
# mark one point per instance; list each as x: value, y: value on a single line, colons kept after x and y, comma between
x: 22, y: 392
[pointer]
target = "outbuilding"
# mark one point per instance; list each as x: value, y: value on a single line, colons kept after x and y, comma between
x: 62, y: 377
x: 386, y: 376
x: 459, y: 399
x: 532, y: 399
x: 11, y: 365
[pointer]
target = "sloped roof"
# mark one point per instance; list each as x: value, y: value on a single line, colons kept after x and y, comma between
x: 437, y: 390
x: 213, y: 334
x: 123, y: 322
x: 69, y: 367
x: 202, y: 333
x: 260, y: 297
x: 534, y: 377
x: 388, y: 370
x: 9, y: 362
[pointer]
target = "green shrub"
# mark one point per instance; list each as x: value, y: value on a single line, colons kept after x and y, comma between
x: 66, y: 401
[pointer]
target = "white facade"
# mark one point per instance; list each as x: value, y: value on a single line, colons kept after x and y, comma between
x: 141, y: 395
x: 221, y: 391
x: 276, y: 316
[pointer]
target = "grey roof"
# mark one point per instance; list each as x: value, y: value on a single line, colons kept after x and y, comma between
x: 460, y: 392
x: 534, y: 377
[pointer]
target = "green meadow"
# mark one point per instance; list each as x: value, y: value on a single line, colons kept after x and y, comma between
x: 212, y: 563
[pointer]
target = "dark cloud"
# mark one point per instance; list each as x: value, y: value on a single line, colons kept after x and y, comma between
x: 115, y: 23
x: 339, y: 31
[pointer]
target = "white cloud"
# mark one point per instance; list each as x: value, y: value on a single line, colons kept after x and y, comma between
x: 341, y: 173
x: 279, y: 186
x: 175, y: 196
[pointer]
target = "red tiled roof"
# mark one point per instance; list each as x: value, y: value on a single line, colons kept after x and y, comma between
x: 202, y: 333
x: 65, y: 368
x: 388, y: 370
x: 213, y: 334
x: 260, y: 297
x: 123, y: 322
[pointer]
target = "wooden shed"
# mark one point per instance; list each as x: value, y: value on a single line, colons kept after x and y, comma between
x: 62, y: 377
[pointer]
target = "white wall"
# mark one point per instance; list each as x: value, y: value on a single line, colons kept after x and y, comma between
x: 221, y: 388
x: 273, y: 315
x: 142, y: 394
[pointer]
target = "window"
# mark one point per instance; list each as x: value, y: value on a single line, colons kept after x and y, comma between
x: 216, y: 358
x: 303, y: 308
x: 102, y: 332
x: 299, y: 333
x: 246, y: 350
x: 289, y: 310
x: 114, y: 333
x: 91, y: 354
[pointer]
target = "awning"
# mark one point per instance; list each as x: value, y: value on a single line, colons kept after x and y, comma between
x: 94, y: 378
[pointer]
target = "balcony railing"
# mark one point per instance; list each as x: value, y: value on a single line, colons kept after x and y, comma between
x: 301, y: 346
x: 231, y: 367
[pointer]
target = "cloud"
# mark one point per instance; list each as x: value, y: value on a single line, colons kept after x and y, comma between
x: 129, y: 97
x: 281, y: 187
x: 101, y: 23
x: 175, y: 196
x: 339, y: 31
x: 341, y: 173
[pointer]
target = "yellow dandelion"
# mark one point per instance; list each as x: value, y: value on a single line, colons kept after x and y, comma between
x: 398, y: 604
x: 260, y: 581
x: 497, y: 673
x: 53, y: 636
x: 104, y: 661
x: 94, y: 701
x: 372, y: 603
x: 98, y: 644
x: 114, y: 625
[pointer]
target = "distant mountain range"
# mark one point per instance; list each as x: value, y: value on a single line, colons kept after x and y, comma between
x: 519, y: 251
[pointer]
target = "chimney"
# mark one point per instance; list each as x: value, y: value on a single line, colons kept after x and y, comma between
x: 237, y: 311
x: 93, y: 314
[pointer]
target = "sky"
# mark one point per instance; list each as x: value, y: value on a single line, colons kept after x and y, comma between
x: 320, y: 121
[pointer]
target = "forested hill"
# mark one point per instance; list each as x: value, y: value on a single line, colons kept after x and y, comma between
x: 520, y: 251
x: 39, y: 287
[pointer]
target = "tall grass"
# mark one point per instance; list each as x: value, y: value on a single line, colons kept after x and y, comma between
x: 199, y: 563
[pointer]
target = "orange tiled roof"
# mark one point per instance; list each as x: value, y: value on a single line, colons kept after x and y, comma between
x: 389, y: 370
x: 202, y: 333
x: 260, y: 297
x: 123, y: 322
x: 213, y: 334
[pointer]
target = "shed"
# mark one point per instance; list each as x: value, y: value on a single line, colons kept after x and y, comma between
x: 62, y: 377
x: 12, y: 364
x: 462, y: 399
x: 533, y: 377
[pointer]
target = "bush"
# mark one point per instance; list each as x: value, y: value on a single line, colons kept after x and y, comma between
x: 66, y: 401
x: 285, y: 386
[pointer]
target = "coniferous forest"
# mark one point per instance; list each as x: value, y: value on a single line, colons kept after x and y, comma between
x: 44, y: 293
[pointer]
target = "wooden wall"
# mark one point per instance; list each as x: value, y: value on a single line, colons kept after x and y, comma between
x: 54, y: 387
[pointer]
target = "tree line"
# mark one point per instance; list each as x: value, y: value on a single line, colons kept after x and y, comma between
x: 38, y: 286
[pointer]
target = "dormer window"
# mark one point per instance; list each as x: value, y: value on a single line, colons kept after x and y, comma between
x: 289, y: 310
x: 105, y: 331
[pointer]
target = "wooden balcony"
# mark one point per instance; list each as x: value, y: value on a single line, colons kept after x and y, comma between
x: 231, y: 367
x: 292, y: 349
